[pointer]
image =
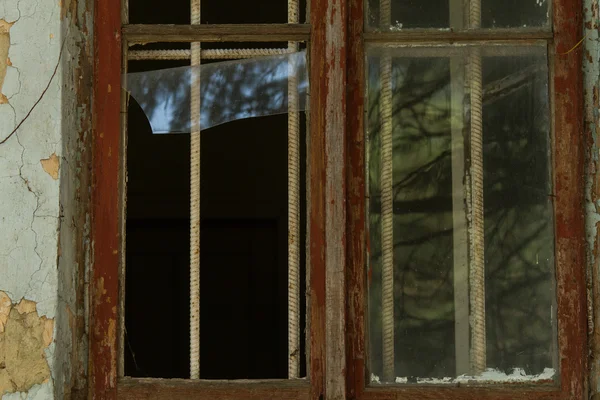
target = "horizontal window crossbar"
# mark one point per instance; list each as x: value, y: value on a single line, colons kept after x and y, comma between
x: 208, y: 54
x: 136, y: 388
x: 463, y: 393
x: 436, y: 35
x: 217, y: 33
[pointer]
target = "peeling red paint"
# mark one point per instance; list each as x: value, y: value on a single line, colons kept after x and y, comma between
x: 105, y: 200
x: 356, y: 215
x: 569, y: 187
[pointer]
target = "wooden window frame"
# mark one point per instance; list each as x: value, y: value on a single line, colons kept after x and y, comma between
x: 106, y: 219
x: 337, y: 356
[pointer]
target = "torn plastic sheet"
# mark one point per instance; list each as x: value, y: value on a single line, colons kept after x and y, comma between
x: 230, y: 90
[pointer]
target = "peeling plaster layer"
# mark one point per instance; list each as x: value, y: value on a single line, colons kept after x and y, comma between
x: 29, y: 195
x: 24, y: 338
x: 4, y: 60
x: 51, y: 165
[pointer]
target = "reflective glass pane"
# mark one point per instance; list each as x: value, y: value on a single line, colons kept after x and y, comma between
x: 454, y: 194
x: 515, y: 13
x: 406, y: 14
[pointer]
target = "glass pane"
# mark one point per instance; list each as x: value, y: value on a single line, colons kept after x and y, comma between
x: 406, y: 14
x: 262, y: 90
x: 214, y: 12
x: 515, y: 13
x: 423, y: 215
x: 519, y: 234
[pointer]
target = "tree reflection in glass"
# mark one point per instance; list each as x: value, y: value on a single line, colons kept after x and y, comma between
x: 430, y: 137
x: 230, y: 90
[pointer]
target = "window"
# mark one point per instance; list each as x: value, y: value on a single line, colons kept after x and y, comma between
x: 444, y: 254
x: 457, y: 301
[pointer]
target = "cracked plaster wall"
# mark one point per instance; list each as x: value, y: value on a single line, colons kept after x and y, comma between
x: 45, y: 48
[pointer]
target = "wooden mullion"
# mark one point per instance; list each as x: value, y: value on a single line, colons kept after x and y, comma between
x: 105, y: 225
x: 568, y: 169
x: 328, y: 124
x: 356, y: 372
x: 328, y: 205
x: 217, y: 33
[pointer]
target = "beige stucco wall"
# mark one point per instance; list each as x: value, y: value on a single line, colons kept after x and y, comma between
x: 43, y: 125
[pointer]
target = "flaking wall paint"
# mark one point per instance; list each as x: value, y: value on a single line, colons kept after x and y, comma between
x: 45, y: 83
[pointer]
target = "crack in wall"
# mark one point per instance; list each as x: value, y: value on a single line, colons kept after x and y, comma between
x: 58, y: 63
x: 18, y: 90
x: 34, y: 215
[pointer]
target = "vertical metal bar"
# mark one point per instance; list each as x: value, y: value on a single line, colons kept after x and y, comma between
x: 195, y: 203
x: 459, y: 211
x: 459, y: 216
x: 477, y: 259
x: 387, y: 206
x: 293, y: 207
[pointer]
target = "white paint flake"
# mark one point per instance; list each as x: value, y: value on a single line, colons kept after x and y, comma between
x: 490, y: 375
x: 397, y: 26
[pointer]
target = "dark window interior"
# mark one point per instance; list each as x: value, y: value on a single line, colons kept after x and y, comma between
x: 212, y: 12
x: 243, y: 322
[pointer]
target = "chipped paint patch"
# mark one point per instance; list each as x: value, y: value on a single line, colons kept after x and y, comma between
x: 51, y: 165
x: 24, y: 336
x: 4, y: 60
x: 5, y: 306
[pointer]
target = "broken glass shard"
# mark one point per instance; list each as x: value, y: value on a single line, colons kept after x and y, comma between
x: 229, y: 91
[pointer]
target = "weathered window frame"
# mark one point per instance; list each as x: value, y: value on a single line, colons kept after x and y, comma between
x: 568, y: 159
x: 337, y: 367
x: 107, y: 193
